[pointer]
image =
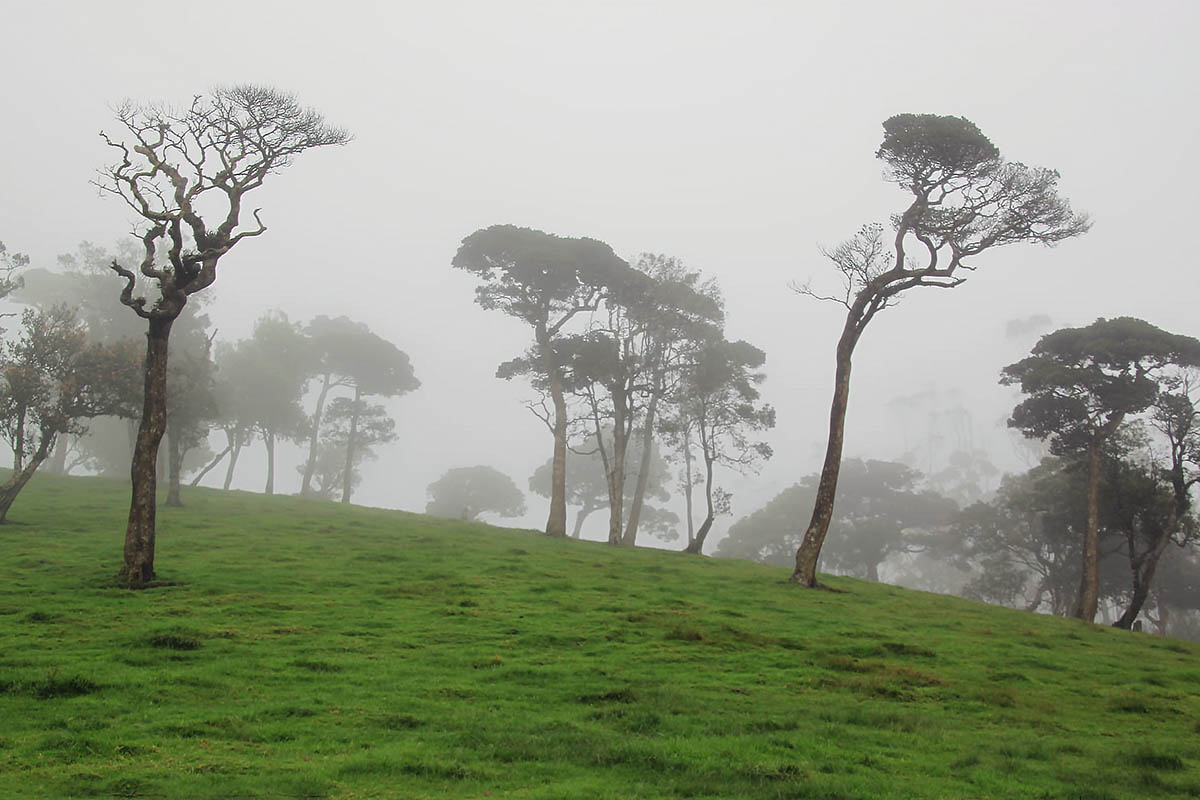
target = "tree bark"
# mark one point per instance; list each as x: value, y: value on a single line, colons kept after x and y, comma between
x: 348, y: 473
x: 58, y: 456
x: 209, y: 467
x: 19, y: 445
x: 687, y: 486
x: 696, y: 545
x: 1089, y: 582
x: 556, y: 523
x: 138, y: 568
x: 310, y: 466
x: 643, y: 478
x: 269, y: 441
x: 235, y: 450
x: 809, y: 552
x: 174, y: 468
x: 16, y: 482
x: 616, y: 471
x: 584, y: 513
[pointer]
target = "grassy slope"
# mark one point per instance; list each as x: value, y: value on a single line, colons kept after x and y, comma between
x: 311, y: 650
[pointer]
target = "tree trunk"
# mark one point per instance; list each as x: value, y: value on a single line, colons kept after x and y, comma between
x: 19, y: 444
x: 16, y: 482
x: 174, y: 468
x: 1033, y: 604
x: 556, y: 523
x: 873, y: 572
x: 1143, y: 570
x: 809, y: 552
x: 1089, y: 582
x: 209, y: 467
x: 584, y: 513
x: 269, y: 441
x: 696, y: 545
x: 138, y: 568
x: 643, y: 478
x: 348, y: 473
x: 616, y: 471
x: 310, y: 466
x: 58, y: 457
x: 235, y: 450
x: 687, y: 487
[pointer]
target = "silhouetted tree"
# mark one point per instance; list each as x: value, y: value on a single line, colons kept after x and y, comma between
x: 965, y: 200
x: 177, y: 169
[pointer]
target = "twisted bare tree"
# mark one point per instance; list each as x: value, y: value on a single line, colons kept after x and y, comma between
x: 965, y: 200
x: 176, y: 168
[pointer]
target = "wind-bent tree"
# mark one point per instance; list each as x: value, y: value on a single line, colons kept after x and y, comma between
x: 1080, y: 385
x: 545, y: 281
x: 178, y: 169
x: 718, y: 409
x: 51, y: 381
x: 467, y: 492
x: 965, y: 200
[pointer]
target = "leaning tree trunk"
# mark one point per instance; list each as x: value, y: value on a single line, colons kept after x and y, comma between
x: 1143, y: 570
x: 348, y: 473
x: 310, y: 466
x: 556, y: 523
x: 269, y: 441
x: 809, y: 552
x: 209, y: 467
x: 138, y: 567
x: 643, y: 478
x: 696, y: 545
x: 16, y: 482
x: 174, y: 469
x: 583, y: 513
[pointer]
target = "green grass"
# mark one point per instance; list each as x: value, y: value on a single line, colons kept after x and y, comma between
x: 300, y: 649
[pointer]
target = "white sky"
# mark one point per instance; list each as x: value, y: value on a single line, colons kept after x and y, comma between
x: 737, y: 136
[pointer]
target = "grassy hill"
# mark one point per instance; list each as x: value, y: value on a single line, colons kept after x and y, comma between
x: 307, y: 649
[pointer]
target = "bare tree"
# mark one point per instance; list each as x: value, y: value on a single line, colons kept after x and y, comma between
x: 176, y: 167
x: 966, y: 200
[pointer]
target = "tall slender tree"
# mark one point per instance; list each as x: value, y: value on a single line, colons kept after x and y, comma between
x: 545, y: 281
x: 966, y: 200
x: 177, y: 169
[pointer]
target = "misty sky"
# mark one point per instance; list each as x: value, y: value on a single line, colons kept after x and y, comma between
x: 739, y: 137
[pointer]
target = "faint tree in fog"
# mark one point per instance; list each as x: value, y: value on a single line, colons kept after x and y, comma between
x: 966, y: 200
x: 352, y: 427
x: 467, y: 492
x: 348, y: 355
x: 1080, y: 385
x: 51, y: 381
x: 191, y: 393
x: 174, y: 169
x: 718, y: 410
x: 545, y: 281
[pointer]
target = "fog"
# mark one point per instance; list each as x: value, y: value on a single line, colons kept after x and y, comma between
x: 737, y: 137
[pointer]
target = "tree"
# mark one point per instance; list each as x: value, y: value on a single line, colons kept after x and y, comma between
x: 718, y: 408
x: 54, y: 380
x: 193, y: 405
x: 354, y: 426
x: 545, y: 281
x: 467, y: 492
x: 349, y: 355
x: 1080, y: 385
x: 175, y: 168
x: 10, y: 265
x: 587, y: 484
x: 882, y: 513
x: 966, y: 200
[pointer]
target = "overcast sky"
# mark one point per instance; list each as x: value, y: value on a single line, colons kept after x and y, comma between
x: 739, y: 137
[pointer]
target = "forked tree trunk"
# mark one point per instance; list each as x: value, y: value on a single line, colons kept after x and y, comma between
x: 556, y: 523
x: 16, y: 482
x: 348, y: 473
x: 138, y: 567
x: 310, y: 466
x: 269, y: 441
x: 209, y: 467
x: 174, y: 470
x: 809, y: 552
x: 696, y: 545
x: 643, y: 478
